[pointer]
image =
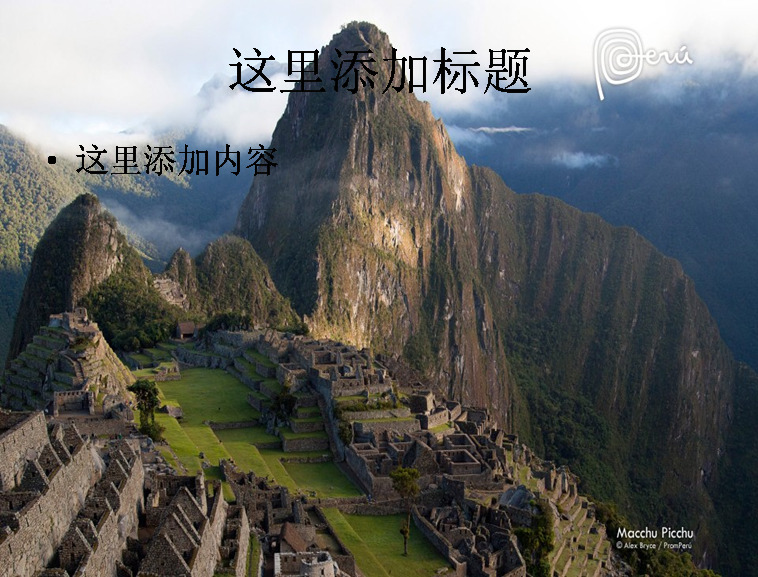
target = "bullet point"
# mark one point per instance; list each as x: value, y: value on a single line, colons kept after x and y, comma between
x: 51, y: 160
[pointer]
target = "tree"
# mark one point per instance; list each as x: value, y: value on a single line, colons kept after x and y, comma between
x: 147, y: 401
x: 405, y: 482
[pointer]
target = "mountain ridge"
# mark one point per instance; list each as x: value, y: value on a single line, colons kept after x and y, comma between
x: 377, y: 230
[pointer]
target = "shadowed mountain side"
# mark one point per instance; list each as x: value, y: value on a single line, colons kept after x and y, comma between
x: 80, y: 249
x: 32, y: 192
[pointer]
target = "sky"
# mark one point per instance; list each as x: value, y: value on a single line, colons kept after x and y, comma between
x: 92, y: 71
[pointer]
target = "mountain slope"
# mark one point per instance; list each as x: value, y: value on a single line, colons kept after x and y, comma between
x: 579, y: 336
x: 80, y: 249
x: 32, y: 192
x: 228, y: 276
x: 674, y: 157
x: 83, y: 260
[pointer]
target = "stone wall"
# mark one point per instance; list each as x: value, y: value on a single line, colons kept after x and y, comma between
x: 440, y: 543
x: 373, y: 508
x: 40, y: 525
x: 380, y: 427
x: 66, y: 401
x: 454, y: 409
x: 306, y: 444
x: 437, y: 418
x: 378, y: 487
x: 112, y: 510
x: 236, y: 542
x: 202, y: 359
x: 303, y: 426
x: 271, y: 390
x: 399, y: 413
x: 22, y: 433
x: 233, y: 425
x: 344, y: 559
x: 292, y: 374
x: 238, y: 338
x: 207, y: 554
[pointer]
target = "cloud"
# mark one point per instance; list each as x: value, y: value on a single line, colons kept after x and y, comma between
x: 462, y: 136
x: 158, y: 230
x: 580, y: 160
x: 89, y: 68
x: 502, y: 129
x: 481, y: 136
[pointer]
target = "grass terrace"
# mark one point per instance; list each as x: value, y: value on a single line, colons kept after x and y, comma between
x: 158, y: 354
x: 262, y: 359
x: 310, y: 412
x: 215, y: 395
x: 387, y: 420
x: 377, y: 545
x: 248, y: 368
x: 287, y: 433
x: 352, y: 398
x: 442, y: 428
x: 209, y: 395
x: 141, y: 358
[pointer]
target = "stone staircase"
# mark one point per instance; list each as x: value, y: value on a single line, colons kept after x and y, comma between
x: 582, y: 551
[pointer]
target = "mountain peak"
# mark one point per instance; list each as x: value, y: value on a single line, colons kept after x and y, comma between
x: 339, y: 148
x: 377, y: 230
x: 80, y: 249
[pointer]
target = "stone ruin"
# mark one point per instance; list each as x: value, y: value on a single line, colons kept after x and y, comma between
x: 67, y: 510
x: 450, y: 444
x: 68, y: 367
x: 295, y: 536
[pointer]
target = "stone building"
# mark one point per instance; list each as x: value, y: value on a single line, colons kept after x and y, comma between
x: 45, y: 474
x: 66, y: 510
x: 66, y: 367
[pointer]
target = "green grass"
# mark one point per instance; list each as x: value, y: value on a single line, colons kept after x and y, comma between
x: 249, y: 458
x: 168, y: 457
x: 247, y: 435
x: 240, y: 444
x: 324, y: 478
x: 209, y: 394
x: 441, y: 428
x: 315, y: 419
x: 253, y: 555
x: 388, y: 420
x: 377, y: 545
x: 350, y: 398
x: 273, y: 385
x: 249, y: 368
x: 289, y: 434
x: 148, y: 374
x: 204, y: 394
x: 141, y: 358
x: 265, y: 361
x: 158, y: 354
x: 315, y: 411
x: 180, y: 442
